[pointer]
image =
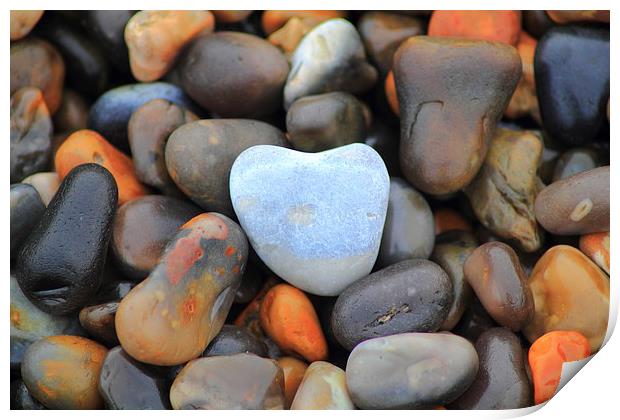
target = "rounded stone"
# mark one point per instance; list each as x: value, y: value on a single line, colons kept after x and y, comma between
x: 323, y: 387
x: 60, y: 266
x: 409, y: 230
x: 26, y: 210
x: 490, y: 25
x: 142, y: 229
x: 98, y: 321
x: 294, y: 370
x: 315, y: 219
x: 536, y: 22
x: 234, y: 74
x: 62, y: 372
x: 46, y: 184
x: 596, y: 247
x: 22, y: 22
x: 409, y: 296
x: 234, y: 340
x: 272, y: 20
x: 199, y: 157
x: 241, y: 381
x: 180, y: 307
x: 413, y: 370
x: 575, y: 160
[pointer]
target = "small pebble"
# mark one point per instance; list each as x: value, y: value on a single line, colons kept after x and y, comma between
x: 323, y: 387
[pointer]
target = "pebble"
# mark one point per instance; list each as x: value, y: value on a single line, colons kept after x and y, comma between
x: 564, y: 55
x: 126, y: 384
x: 450, y: 252
x: 234, y: 74
x: 26, y: 210
x: 72, y: 114
x: 199, y: 157
x: 148, y: 130
x: 570, y: 293
x: 22, y: 22
x: 142, y: 229
x: 107, y: 28
x: 234, y: 340
x: 61, y: 263
x: 241, y: 381
x: 329, y: 58
x: 272, y: 20
x: 409, y: 230
x: 596, y: 247
x: 288, y: 37
x: 502, y: 382
x: 21, y: 398
x: 316, y: 123
x: 314, y: 219
x: 489, y: 25
x: 576, y: 205
x: 410, y: 296
x: 62, y: 372
x: 446, y: 128
x: 407, y: 371
x: 294, y: 370
x: 87, y: 146
x: 155, y: 38
x: 288, y: 317
x: 546, y: 357
x: 503, y: 193
x: 495, y: 274
x: 36, y: 63
x: 180, y: 307
x: 98, y: 321
x: 323, y: 387
x: 31, y: 133
x: 574, y: 161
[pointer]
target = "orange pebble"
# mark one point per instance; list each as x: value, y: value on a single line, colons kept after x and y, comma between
x: 249, y: 317
x: 447, y: 219
x: 272, y: 20
x: 288, y: 317
x: 596, y: 247
x: 490, y: 25
x: 294, y: 370
x: 390, y: 93
x: 547, y: 355
x: 87, y: 146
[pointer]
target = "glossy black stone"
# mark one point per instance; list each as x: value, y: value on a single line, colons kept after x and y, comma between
x: 26, y: 210
x: 98, y: 321
x: 233, y: 340
x: 572, y: 81
x: 21, y: 399
x: 107, y: 28
x: 60, y: 266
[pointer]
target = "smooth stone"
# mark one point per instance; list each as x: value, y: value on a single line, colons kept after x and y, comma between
x: 72, y: 114
x: 126, y: 384
x: 199, y: 157
x: 573, y: 161
x: 331, y: 57
x: 98, y: 321
x: 148, y: 130
x: 504, y: 191
x: 46, y: 184
x: 315, y: 219
x: 272, y: 20
x: 596, y: 247
x: 413, y: 370
x: 62, y: 372
x: 22, y: 22
x: 107, y: 29
x: 26, y: 210
x: 383, y: 32
x: 409, y: 296
x: 294, y: 370
x: 31, y: 133
x: 234, y: 74
x: 180, y: 307
x: 573, y: 60
x: 142, y: 229
x: 61, y: 263
x: 576, y: 205
x: 570, y: 293
x: 323, y: 387
x: 495, y: 274
x: 384, y: 139
x: 474, y: 321
x: 21, y: 398
x: 409, y: 230
x: 36, y: 63
x: 241, y: 381
x: 110, y: 113
x: 234, y: 340
x: 501, y: 383
x: 490, y: 25
x: 446, y: 128
x: 288, y: 37
x: 450, y: 252
x: 316, y: 123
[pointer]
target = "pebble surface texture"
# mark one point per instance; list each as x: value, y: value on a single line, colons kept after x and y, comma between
x: 323, y: 387
x: 315, y: 219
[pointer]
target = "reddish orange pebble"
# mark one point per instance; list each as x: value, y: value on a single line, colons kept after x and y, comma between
x: 546, y: 356
x: 390, y: 93
x: 447, y: 219
x: 272, y: 20
x: 489, y: 25
x: 288, y: 317
x: 596, y: 247
x: 87, y: 146
x: 294, y: 370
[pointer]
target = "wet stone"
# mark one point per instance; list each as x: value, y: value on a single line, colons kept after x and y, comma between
x: 142, y: 229
x: 241, y: 381
x: 316, y: 123
x: 26, y: 210
x: 323, y: 388
x: 409, y: 230
x: 200, y: 155
x: 315, y: 219
x: 409, y: 296
x: 98, y: 321
x: 61, y: 263
x: 575, y: 160
x: 412, y: 370
x: 234, y: 340
x: 180, y: 307
x: 446, y: 128
x: 22, y: 22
